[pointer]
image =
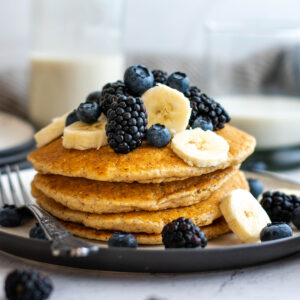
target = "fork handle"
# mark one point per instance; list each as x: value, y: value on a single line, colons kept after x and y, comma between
x: 63, y: 242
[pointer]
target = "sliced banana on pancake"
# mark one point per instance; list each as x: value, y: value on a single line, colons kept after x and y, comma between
x: 244, y: 215
x: 82, y: 136
x: 200, y: 148
x: 167, y: 106
x: 51, y: 132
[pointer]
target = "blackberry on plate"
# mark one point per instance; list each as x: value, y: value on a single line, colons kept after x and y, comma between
x: 204, y: 123
x: 256, y: 187
x: 204, y: 106
x: 275, y: 231
x: 279, y: 206
x: 109, y: 94
x: 93, y: 97
x: 160, y: 76
x: 138, y: 79
x: 158, y: 135
x: 10, y: 216
x: 71, y: 118
x: 122, y: 239
x: 126, y: 124
x: 179, y: 81
x: 27, y: 285
x: 88, y: 112
x: 37, y: 232
x: 183, y: 233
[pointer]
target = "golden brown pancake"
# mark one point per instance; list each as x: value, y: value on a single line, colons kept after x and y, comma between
x: 202, y: 214
x: 217, y: 228
x: 108, y: 197
x: 145, y: 164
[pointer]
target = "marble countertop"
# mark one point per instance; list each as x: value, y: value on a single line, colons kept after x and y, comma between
x: 274, y: 280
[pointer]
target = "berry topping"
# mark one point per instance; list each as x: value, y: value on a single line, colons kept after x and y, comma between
x: 158, y: 135
x: 138, y: 79
x: 10, y: 216
x: 88, y: 112
x: 256, y: 187
x: 279, y: 206
x: 72, y: 118
x: 275, y: 231
x: 160, y: 76
x: 37, y: 232
x: 126, y: 124
x: 109, y: 94
x: 204, y: 106
x: 178, y: 81
x: 93, y: 97
x: 27, y: 285
x: 204, y: 123
x: 296, y: 217
x: 183, y: 233
x: 122, y: 239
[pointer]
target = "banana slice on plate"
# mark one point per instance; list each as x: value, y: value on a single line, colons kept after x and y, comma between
x: 51, y: 132
x: 82, y: 136
x: 244, y: 215
x: 167, y: 106
x: 200, y: 148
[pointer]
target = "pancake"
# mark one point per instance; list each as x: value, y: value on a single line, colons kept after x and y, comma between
x: 203, y: 213
x: 108, y: 197
x: 145, y: 164
x: 217, y: 228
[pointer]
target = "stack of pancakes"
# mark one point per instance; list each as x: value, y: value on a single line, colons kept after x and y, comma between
x: 95, y: 193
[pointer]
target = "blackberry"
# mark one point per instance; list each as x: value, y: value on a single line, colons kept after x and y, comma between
x: 37, y: 232
x: 126, y: 124
x: 279, y: 206
x: 27, y: 285
x: 109, y: 94
x: 183, y: 233
x: 204, y: 106
x: 160, y: 76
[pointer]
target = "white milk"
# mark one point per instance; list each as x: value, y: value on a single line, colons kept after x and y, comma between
x: 60, y: 83
x: 273, y: 120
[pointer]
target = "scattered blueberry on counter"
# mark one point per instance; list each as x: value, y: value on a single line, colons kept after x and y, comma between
x: 88, y: 112
x: 72, y: 118
x: 122, y: 239
x: 256, y: 187
x: 183, y: 233
x: 204, y: 123
x: 138, y: 79
x: 93, y: 97
x: 37, y: 232
x: 158, y: 135
x: 275, y: 231
x: 27, y: 285
x: 179, y: 81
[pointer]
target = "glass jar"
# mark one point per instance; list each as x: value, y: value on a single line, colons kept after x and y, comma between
x: 76, y: 49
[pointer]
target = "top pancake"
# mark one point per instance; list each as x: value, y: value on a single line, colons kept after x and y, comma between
x: 145, y: 164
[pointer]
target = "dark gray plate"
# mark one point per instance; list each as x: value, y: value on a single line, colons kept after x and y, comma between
x: 160, y: 260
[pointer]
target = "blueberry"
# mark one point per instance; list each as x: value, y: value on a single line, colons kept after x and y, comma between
x: 275, y: 231
x: 138, y: 79
x: 296, y: 217
x: 37, y: 232
x: 203, y: 123
x: 71, y: 118
x: 178, y: 81
x: 158, y: 135
x: 122, y: 239
x: 88, y: 112
x: 10, y: 216
x: 256, y: 187
x: 93, y: 97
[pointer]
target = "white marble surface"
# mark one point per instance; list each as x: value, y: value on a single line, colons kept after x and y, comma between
x: 274, y: 280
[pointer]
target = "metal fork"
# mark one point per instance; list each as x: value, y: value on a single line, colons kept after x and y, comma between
x: 63, y: 242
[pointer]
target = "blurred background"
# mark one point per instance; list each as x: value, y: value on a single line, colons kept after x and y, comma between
x: 245, y: 54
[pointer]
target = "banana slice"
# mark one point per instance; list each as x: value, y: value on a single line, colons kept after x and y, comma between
x: 82, y: 136
x: 200, y: 148
x: 244, y: 215
x: 167, y: 106
x: 51, y: 131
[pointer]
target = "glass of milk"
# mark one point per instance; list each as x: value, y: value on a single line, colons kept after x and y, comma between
x: 76, y: 49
